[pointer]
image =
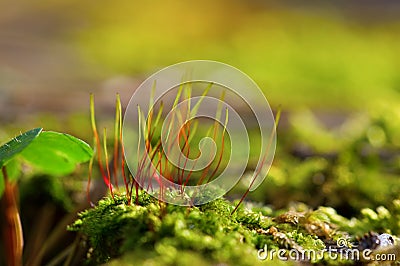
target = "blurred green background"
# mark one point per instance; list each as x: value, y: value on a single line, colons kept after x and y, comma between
x: 327, y: 56
x: 333, y: 66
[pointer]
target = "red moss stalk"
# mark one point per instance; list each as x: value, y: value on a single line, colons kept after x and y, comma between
x: 257, y: 172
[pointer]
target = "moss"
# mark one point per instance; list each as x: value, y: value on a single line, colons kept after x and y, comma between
x: 162, y: 234
x: 104, y: 231
x: 113, y: 228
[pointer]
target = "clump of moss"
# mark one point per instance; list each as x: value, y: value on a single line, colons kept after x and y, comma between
x: 161, y: 234
x: 113, y: 228
x: 165, y: 234
x: 382, y: 220
x: 105, y: 224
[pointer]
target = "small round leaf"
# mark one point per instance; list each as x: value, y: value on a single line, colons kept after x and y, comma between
x: 57, y: 153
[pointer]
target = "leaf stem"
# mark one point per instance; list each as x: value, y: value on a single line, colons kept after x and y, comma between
x: 12, y: 228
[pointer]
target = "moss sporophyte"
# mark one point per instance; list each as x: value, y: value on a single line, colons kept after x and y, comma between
x: 154, y: 162
x: 131, y: 227
x: 156, y: 171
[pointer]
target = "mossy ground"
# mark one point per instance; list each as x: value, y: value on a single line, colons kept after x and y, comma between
x: 153, y: 233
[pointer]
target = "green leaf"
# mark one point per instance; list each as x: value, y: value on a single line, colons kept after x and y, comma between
x: 17, y: 145
x: 57, y: 153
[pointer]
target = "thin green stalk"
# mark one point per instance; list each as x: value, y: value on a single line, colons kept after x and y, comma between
x: 96, y: 140
x: 107, y: 165
x: 117, y: 125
